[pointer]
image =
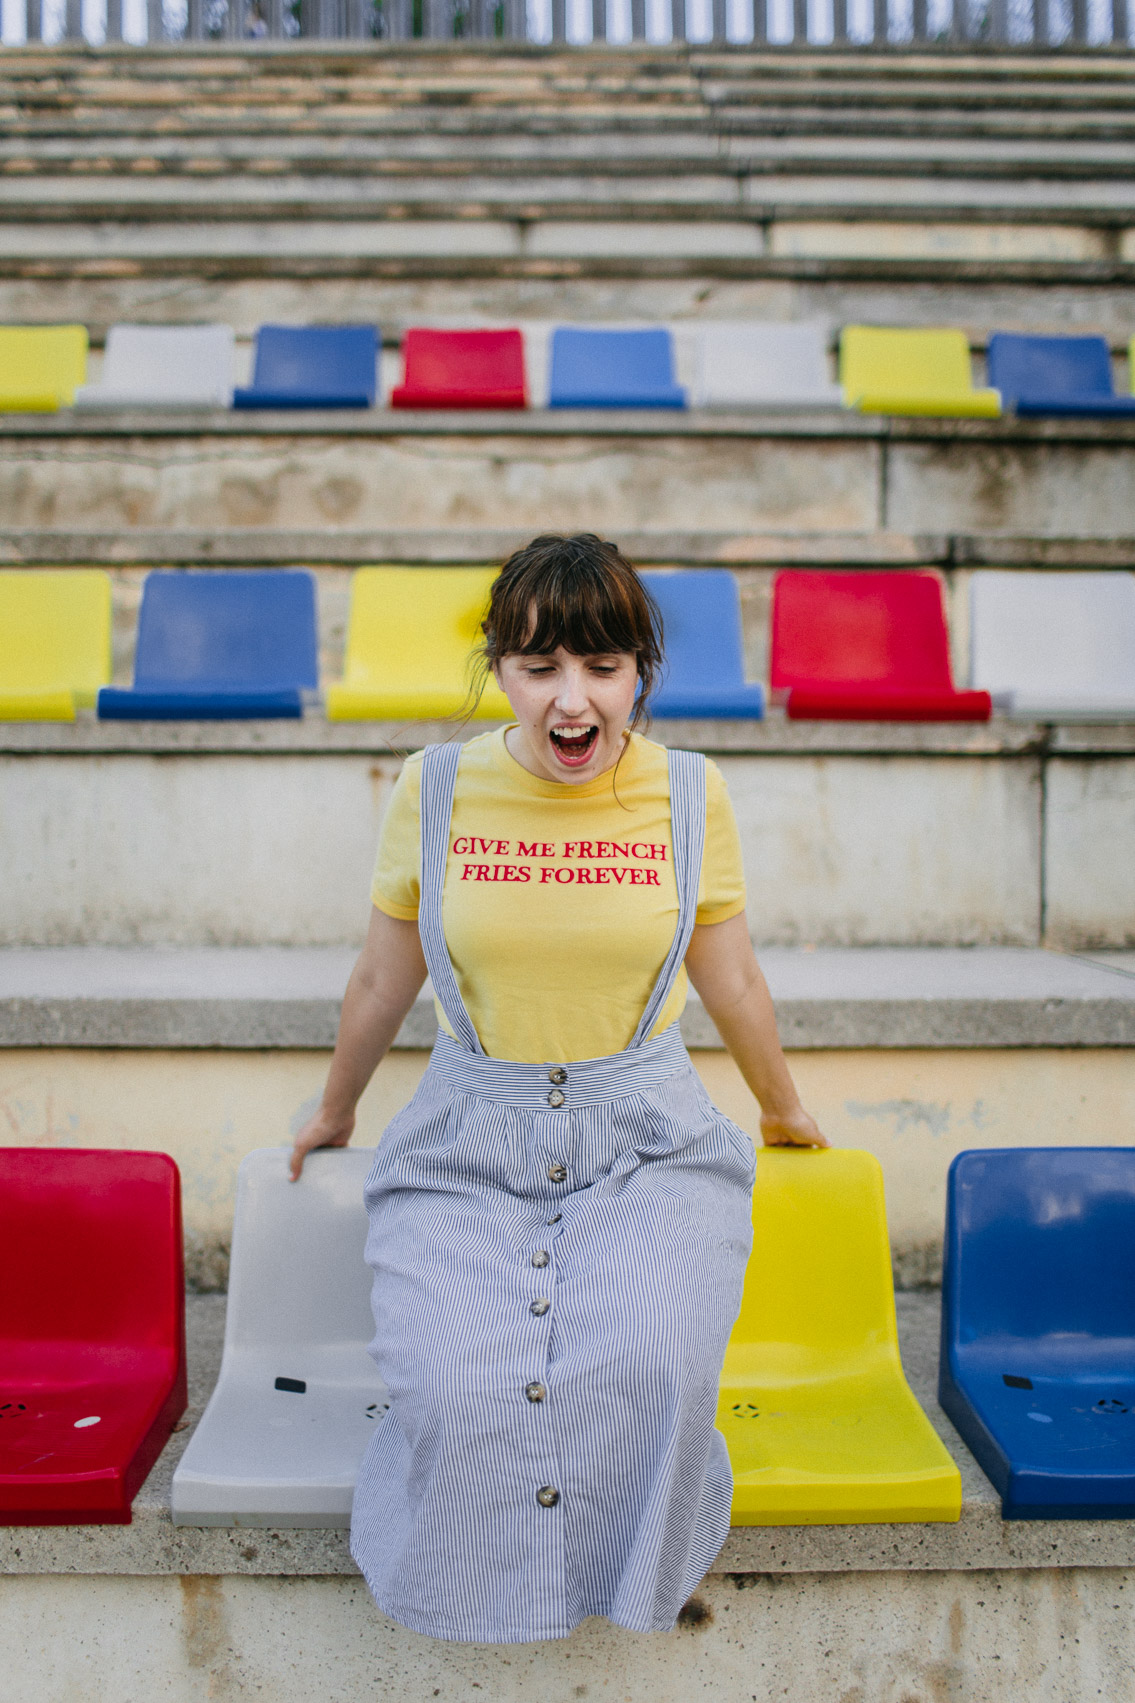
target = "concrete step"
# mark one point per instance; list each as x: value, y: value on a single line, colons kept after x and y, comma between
x: 152, y: 1607
x: 194, y: 835
x: 914, y: 1054
x: 688, y: 473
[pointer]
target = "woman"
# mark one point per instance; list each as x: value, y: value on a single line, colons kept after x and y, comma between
x: 559, y: 1220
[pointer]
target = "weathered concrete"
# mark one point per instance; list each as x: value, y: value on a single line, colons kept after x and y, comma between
x: 1089, y: 818
x: 914, y: 1107
x: 288, y: 997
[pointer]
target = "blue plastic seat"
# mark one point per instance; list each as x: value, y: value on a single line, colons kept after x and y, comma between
x: 597, y: 368
x: 220, y: 645
x: 705, y: 663
x: 1037, y: 1368
x: 313, y: 366
x: 1055, y: 375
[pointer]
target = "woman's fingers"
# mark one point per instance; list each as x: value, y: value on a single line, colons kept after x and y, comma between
x: 800, y: 1130
x: 317, y: 1133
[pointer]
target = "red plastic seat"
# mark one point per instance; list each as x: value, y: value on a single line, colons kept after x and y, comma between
x: 866, y: 647
x: 92, y: 1330
x: 461, y: 369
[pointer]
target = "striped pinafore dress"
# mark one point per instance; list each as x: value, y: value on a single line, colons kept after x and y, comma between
x: 558, y: 1253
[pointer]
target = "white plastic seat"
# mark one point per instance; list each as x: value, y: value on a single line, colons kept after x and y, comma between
x: 763, y: 365
x: 298, y: 1396
x: 164, y: 366
x: 1055, y: 646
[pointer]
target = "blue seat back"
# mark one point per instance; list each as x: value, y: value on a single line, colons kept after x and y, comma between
x: 701, y: 620
x: 1049, y: 369
x: 327, y: 360
x: 1040, y: 1244
x: 202, y: 630
x: 592, y: 366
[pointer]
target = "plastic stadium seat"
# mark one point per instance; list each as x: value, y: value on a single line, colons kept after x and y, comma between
x: 313, y: 366
x: 54, y: 642
x: 1038, y: 1326
x: 410, y: 636
x: 298, y: 1396
x: 774, y: 365
x: 41, y: 367
x: 220, y: 645
x: 461, y: 369
x: 821, y: 1425
x: 1055, y: 645
x: 92, y: 1330
x: 1055, y: 375
x: 705, y: 663
x: 164, y: 366
x: 595, y: 367
x: 866, y: 647
x: 911, y: 372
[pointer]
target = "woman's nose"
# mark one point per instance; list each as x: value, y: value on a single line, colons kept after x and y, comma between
x: 571, y: 699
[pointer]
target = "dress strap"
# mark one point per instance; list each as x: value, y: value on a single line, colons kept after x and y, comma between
x: 439, y: 776
x: 687, y: 835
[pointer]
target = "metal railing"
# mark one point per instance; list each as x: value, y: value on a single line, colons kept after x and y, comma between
x: 895, y: 24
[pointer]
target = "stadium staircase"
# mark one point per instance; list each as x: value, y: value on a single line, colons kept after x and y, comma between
x: 947, y: 912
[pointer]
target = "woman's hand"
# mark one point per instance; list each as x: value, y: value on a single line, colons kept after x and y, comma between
x: 320, y: 1131
x: 793, y: 1129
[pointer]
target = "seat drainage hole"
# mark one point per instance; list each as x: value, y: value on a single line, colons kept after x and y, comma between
x: 746, y: 1410
x: 1016, y: 1383
x: 293, y: 1386
x: 377, y: 1407
x: 12, y: 1409
x: 91, y: 1419
x: 1109, y: 1404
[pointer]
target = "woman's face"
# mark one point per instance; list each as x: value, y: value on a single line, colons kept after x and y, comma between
x: 572, y: 711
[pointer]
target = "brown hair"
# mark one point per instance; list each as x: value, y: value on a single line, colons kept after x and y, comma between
x: 580, y: 593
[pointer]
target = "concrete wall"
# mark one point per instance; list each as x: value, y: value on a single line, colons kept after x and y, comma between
x: 1052, y: 1636
x: 914, y: 1109
x: 214, y: 849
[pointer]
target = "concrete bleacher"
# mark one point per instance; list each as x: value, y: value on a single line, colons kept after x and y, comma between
x: 946, y: 913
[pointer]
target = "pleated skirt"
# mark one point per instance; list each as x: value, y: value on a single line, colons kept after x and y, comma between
x: 554, y: 1288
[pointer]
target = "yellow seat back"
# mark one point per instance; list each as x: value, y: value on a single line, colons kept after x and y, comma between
x: 911, y: 372
x: 54, y: 642
x: 819, y: 1420
x: 41, y: 366
x: 410, y: 640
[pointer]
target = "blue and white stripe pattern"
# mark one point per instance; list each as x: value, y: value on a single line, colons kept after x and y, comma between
x: 558, y: 1253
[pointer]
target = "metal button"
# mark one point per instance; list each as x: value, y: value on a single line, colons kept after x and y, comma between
x: 540, y: 1307
x: 540, y: 1257
x: 556, y: 1097
x: 547, y: 1496
x: 535, y: 1392
x: 557, y: 1173
x: 558, y: 1076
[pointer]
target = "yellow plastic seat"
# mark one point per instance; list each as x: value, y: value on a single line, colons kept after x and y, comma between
x: 911, y: 372
x: 41, y: 367
x: 410, y: 636
x: 821, y: 1425
x: 54, y: 642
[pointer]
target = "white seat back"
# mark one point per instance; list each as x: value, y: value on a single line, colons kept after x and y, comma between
x: 1055, y: 641
x: 187, y: 365
x: 298, y: 1276
x: 763, y: 365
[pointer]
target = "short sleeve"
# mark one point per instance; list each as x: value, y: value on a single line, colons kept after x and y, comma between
x: 396, y: 886
x: 721, y: 894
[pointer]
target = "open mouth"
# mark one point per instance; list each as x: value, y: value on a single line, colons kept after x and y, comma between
x: 574, y: 744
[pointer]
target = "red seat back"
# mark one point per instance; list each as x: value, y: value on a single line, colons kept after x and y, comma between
x: 92, y: 1249
x: 884, y: 630
x: 462, y: 369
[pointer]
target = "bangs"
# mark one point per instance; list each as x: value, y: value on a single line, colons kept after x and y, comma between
x: 579, y: 606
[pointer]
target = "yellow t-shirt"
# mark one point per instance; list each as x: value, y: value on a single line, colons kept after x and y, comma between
x: 559, y: 903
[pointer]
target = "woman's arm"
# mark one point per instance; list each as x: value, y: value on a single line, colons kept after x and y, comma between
x: 725, y: 972
x: 383, y: 986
